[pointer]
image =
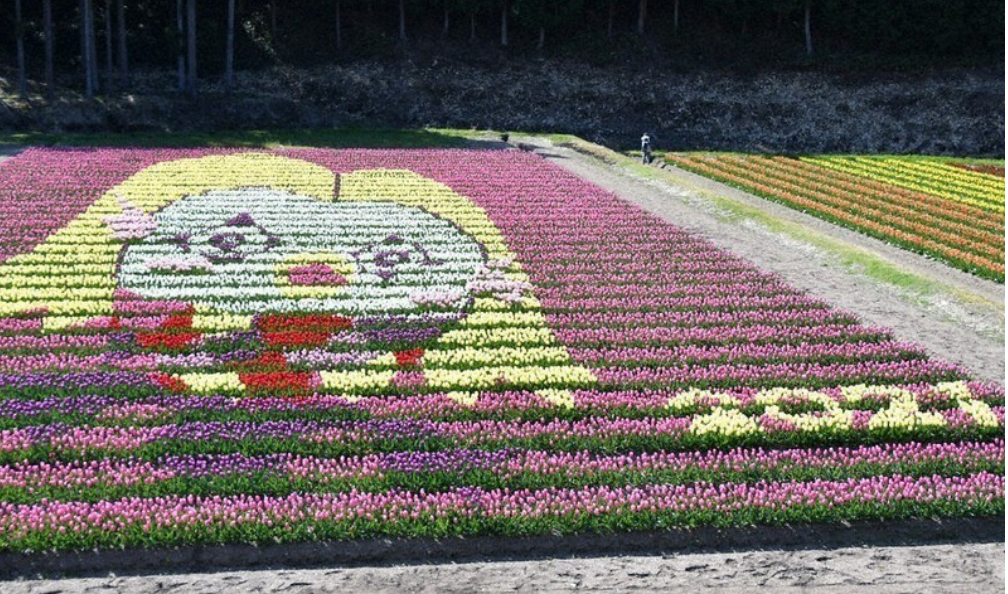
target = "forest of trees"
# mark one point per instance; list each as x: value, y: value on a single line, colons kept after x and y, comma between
x: 94, y: 44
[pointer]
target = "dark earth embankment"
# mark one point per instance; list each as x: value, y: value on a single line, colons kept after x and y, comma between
x: 956, y: 111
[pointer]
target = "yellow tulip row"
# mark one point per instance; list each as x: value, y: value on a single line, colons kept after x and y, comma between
x: 936, y: 179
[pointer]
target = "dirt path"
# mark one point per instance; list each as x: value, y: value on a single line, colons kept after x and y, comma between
x: 978, y: 569
x: 958, y: 317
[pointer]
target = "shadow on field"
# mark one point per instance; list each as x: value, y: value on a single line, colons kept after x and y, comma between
x: 321, y: 138
x: 389, y: 551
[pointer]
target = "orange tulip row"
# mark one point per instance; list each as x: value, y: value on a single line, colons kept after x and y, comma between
x: 929, y: 178
x: 914, y: 200
x: 995, y: 170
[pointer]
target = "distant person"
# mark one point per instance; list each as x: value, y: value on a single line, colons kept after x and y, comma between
x: 645, y: 149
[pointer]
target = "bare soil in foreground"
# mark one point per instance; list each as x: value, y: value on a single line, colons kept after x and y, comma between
x: 977, y: 569
x: 961, y: 320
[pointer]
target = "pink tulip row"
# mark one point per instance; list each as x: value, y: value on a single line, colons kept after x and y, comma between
x: 19, y: 521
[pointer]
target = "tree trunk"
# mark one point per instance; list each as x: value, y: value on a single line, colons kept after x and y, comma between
x: 542, y: 39
x: 808, y: 28
x: 339, y: 25
x: 505, y: 8
x: 19, y: 31
x: 178, y: 43
x: 229, y: 50
x: 675, y: 18
x: 85, y: 63
x: 472, y: 26
x: 273, y: 20
x: 191, y: 46
x: 447, y: 22
x: 124, y: 77
x: 49, y: 49
x: 109, y: 66
x: 402, y: 21
x: 93, y: 45
x: 88, y: 53
x: 641, y: 16
x: 612, y: 9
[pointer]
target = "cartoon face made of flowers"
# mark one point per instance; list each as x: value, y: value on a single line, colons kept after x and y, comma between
x: 259, y: 250
x: 258, y: 273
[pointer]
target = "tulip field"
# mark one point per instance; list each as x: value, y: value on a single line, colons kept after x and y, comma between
x: 951, y: 211
x: 218, y: 345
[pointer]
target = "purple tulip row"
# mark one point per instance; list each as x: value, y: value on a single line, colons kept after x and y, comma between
x: 503, y: 464
x: 428, y: 406
x: 318, y: 358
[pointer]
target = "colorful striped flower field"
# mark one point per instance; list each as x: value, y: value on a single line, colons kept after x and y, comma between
x: 949, y: 211
x: 211, y: 345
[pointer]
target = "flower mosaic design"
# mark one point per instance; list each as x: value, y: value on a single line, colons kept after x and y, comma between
x: 212, y: 346
x: 245, y: 234
x: 391, y: 255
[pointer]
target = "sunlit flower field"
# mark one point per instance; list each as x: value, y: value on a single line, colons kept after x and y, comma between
x: 946, y: 209
x: 206, y: 346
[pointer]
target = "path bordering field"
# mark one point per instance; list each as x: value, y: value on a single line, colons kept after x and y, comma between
x: 955, y: 316
x: 926, y: 569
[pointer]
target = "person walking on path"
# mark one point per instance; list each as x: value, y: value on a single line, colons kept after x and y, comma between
x: 645, y: 149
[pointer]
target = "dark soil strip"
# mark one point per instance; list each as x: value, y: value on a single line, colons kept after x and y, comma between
x: 417, y: 551
x: 988, y: 169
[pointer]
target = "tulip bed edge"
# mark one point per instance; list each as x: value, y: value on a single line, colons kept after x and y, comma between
x: 210, y: 345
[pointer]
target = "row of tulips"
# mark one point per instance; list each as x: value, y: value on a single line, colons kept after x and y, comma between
x: 219, y: 345
x: 279, y: 474
x: 929, y: 177
x: 984, y: 168
x: 464, y: 511
x: 945, y: 223
x: 106, y: 410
